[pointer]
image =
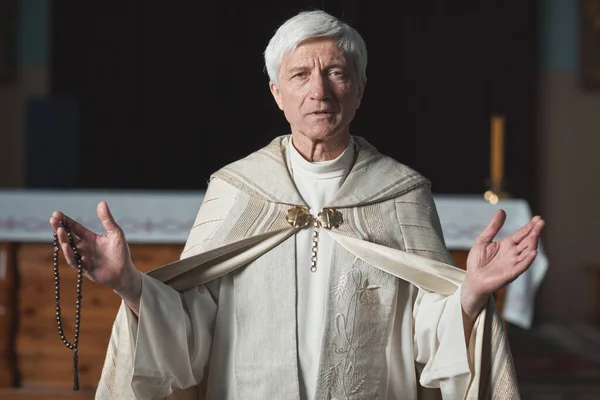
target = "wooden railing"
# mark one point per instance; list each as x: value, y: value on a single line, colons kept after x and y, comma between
x: 8, y: 317
x: 34, y: 364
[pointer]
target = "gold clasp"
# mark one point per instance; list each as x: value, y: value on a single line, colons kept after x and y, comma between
x: 330, y: 218
x: 299, y: 217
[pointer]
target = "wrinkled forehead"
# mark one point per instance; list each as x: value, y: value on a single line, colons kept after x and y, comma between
x: 322, y: 50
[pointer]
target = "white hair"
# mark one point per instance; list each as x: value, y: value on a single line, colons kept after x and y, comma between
x: 314, y: 24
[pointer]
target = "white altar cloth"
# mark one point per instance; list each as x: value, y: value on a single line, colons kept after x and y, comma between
x: 167, y: 217
x: 464, y: 217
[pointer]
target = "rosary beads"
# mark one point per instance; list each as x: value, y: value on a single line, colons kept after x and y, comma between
x: 72, y: 346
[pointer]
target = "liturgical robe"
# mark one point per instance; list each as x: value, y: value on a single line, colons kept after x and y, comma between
x: 185, y: 337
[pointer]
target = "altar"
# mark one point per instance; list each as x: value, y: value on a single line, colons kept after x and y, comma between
x: 156, y: 225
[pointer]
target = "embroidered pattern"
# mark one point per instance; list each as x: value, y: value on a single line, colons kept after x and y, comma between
x: 356, y: 322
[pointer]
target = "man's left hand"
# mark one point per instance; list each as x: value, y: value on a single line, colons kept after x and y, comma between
x: 492, y: 265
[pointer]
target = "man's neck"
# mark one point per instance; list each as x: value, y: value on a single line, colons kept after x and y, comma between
x: 320, y: 150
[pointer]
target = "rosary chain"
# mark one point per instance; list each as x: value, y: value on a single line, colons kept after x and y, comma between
x: 73, y: 346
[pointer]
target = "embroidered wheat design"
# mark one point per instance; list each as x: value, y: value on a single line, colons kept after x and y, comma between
x: 355, y: 389
x: 339, y: 287
x: 343, y: 378
x: 330, y: 377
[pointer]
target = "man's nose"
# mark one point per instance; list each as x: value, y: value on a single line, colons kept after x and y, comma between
x: 319, y: 87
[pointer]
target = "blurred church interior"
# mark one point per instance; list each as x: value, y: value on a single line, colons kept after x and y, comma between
x: 497, y: 102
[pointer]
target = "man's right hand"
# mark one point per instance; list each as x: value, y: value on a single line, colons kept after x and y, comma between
x: 105, y: 258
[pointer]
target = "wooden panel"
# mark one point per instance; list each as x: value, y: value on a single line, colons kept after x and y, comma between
x: 45, y: 393
x: 42, y: 359
x: 45, y: 365
x: 7, y: 314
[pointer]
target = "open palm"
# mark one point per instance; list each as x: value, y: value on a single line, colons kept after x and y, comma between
x: 105, y: 258
x: 491, y: 264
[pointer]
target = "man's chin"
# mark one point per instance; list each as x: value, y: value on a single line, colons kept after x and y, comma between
x: 325, y: 134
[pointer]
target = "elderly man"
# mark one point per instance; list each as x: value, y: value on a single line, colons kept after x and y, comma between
x: 316, y: 268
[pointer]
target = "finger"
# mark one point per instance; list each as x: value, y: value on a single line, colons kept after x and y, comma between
x: 539, y: 226
x: 519, y: 235
x: 529, y: 243
x: 76, y: 228
x: 107, y: 219
x: 525, y: 260
x: 532, y: 239
x: 490, y: 232
x: 65, y: 246
x: 525, y: 255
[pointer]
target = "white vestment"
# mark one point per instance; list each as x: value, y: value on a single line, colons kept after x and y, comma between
x: 191, y: 336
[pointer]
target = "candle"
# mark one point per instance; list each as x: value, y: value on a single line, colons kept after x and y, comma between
x: 497, y: 151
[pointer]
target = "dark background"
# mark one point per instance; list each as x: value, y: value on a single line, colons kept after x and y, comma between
x: 168, y: 92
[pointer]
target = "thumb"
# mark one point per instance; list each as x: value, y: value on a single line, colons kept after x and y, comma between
x: 490, y: 231
x: 107, y: 219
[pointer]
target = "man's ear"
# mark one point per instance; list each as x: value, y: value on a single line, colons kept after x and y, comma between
x: 276, y: 94
x: 361, y: 91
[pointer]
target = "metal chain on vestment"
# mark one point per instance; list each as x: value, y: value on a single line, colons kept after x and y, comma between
x: 300, y: 217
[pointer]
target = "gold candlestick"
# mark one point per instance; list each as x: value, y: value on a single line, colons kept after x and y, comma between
x: 496, y: 160
x: 497, y: 150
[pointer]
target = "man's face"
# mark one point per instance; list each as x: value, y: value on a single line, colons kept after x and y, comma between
x: 318, y: 89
